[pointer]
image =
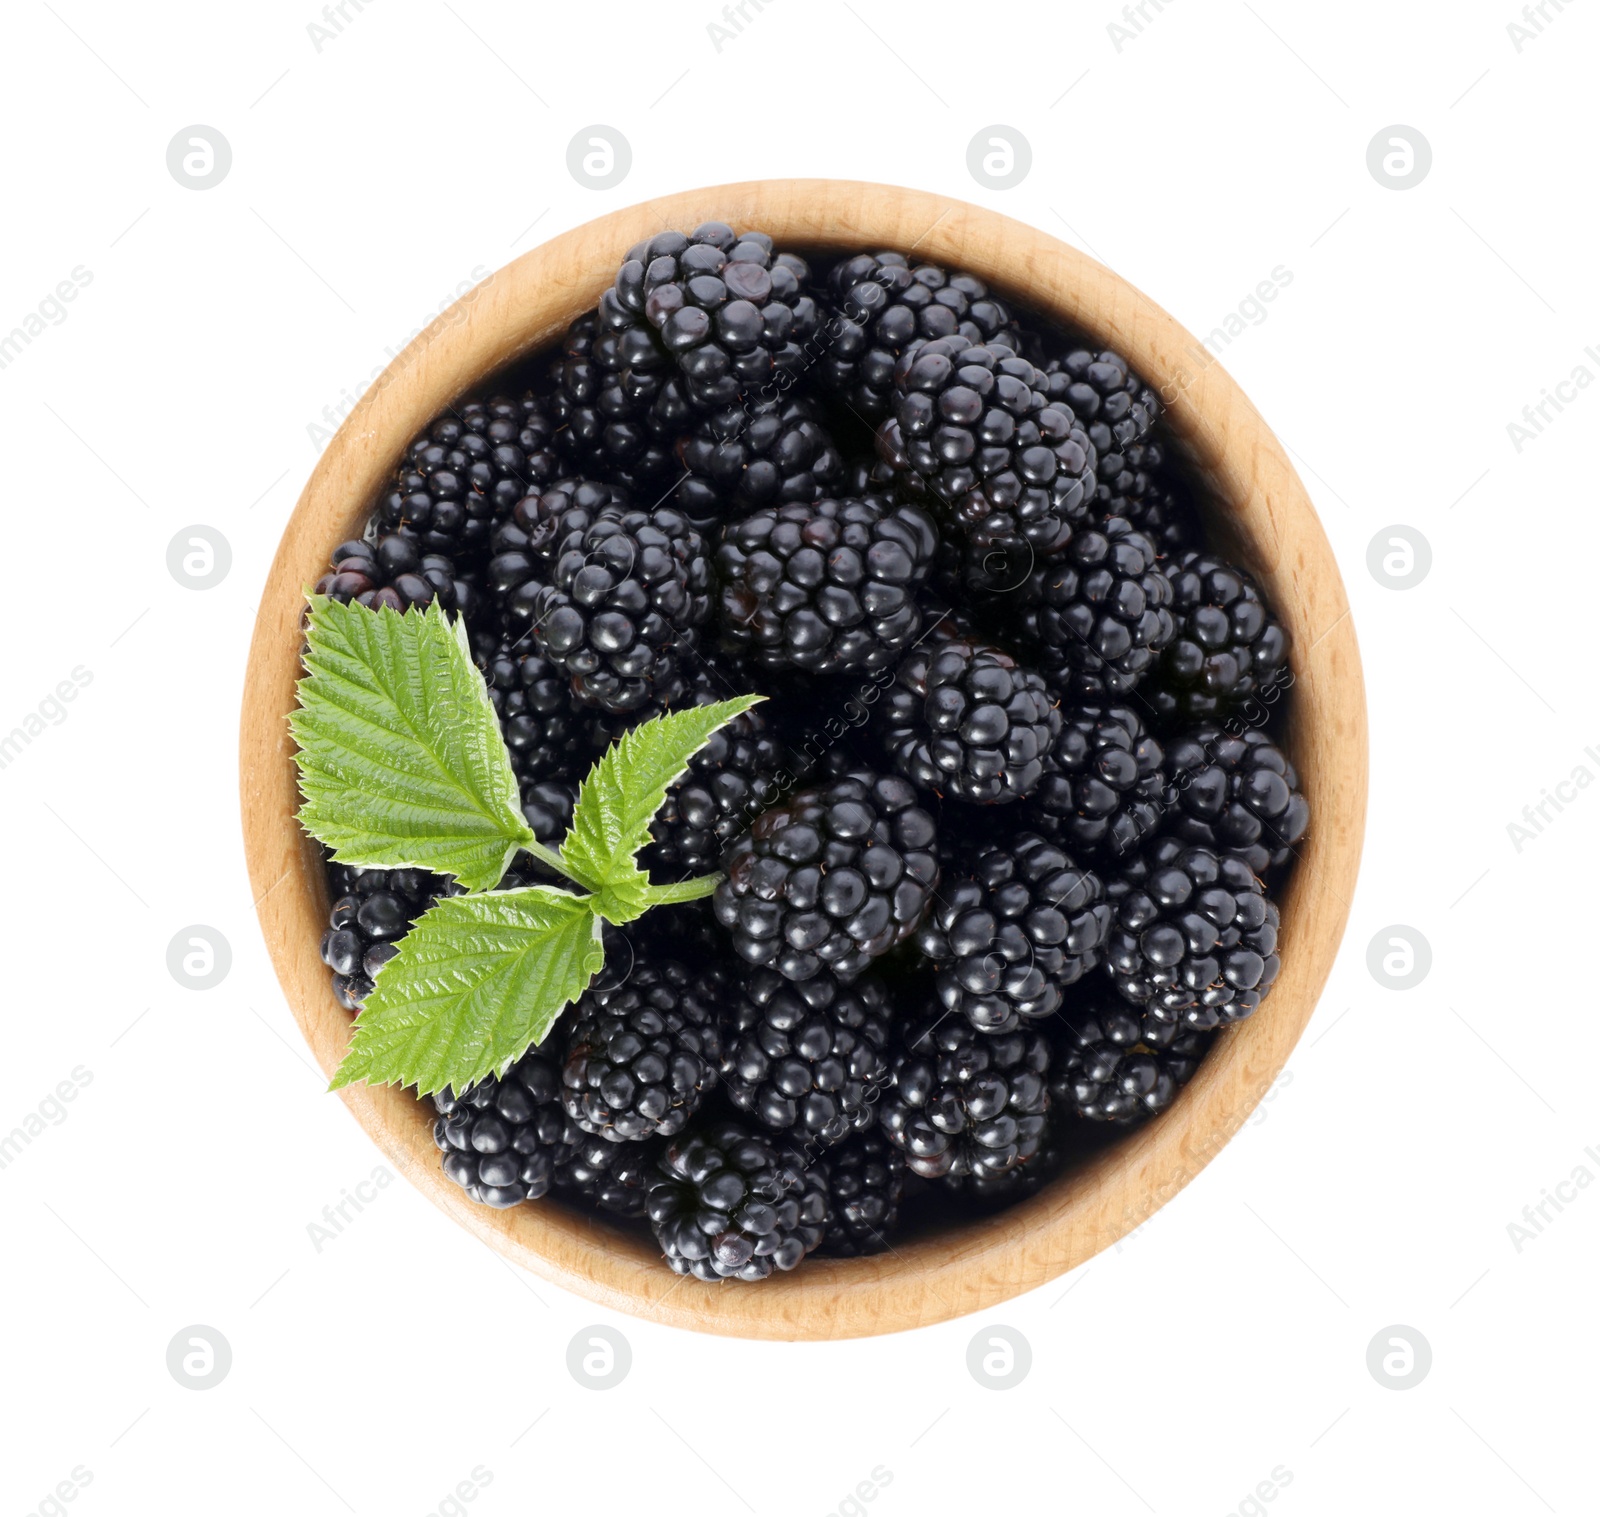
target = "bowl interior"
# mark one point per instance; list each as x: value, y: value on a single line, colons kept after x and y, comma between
x: 1256, y: 509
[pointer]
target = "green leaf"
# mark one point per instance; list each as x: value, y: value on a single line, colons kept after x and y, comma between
x: 476, y: 982
x: 401, y: 759
x: 624, y: 791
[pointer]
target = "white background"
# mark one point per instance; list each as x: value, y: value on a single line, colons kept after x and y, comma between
x: 1228, y: 1338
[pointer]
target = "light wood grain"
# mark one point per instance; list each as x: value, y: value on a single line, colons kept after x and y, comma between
x: 1265, y: 515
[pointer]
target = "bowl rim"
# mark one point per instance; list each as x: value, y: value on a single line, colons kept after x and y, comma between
x: 1264, y: 514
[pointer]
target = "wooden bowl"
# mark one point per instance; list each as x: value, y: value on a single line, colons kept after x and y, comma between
x: 1263, y: 514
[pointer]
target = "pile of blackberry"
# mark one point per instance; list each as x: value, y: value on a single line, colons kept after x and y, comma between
x: 999, y: 850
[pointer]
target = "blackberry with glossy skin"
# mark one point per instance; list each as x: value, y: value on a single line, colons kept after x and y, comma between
x: 1119, y: 409
x: 740, y: 773
x: 965, y: 719
x: 613, y: 1177
x: 1104, y: 787
x: 617, y: 405
x: 545, y: 731
x: 733, y: 314
x: 880, y: 303
x: 962, y: 1102
x: 1229, y: 649
x: 640, y: 1057
x: 467, y: 471
x: 1236, y: 793
x: 1014, y: 924
x: 747, y: 457
x: 372, y: 910
x: 807, y: 1059
x: 518, y: 575
x: 825, y: 586
x: 1195, y: 938
x: 833, y: 878
x: 972, y: 430
x: 1116, y: 1064
x: 1148, y: 494
x: 626, y: 594
x: 729, y: 1204
x: 866, y: 1180
x: 393, y: 572
x: 503, y: 1141
x: 1101, y: 614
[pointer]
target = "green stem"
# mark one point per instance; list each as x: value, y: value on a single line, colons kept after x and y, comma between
x: 549, y: 857
x: 684, y: 890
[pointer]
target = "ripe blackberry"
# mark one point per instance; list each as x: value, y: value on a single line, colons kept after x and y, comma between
x: 548, y: 805
x: 524, y: 545
x: 1236, y: 793
x: 961, y: 1102
x: 616, y: 403
x: 504, y: 1140
x: 1104, y: 787
x: 749, y: 456
x: 866, y: 1180
x: 1118, y: 408
x: 965, y: 719
x: 393, y: 572
x: 1195, y: 937
x: 879, y: 304
x: 640, y: 1057
x: 468, y: 470
x: 614, y: 1177
x: 827, y: 585
x: 834, y: 877
x: 739, y: 774
x: 1228, y: 647
x: 1014, y: 924
x: 807, y: 1059
x: 1152, y: 499
x: 972, y: 429
x: 727, y: 1204
x: 545, y: 732
x: 1101, y: 613
x: 732, y: 313
x: 372, y: 910
x: 1116, y: 1064
x: 625, y: 595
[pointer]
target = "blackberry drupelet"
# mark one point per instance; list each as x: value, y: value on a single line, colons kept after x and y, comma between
x: 616, y: 402
x: 626, y: 594
x: 825, y: 586
x: 640, y: 1057
x: 548, y: 805
x: 546, y: 733
x: 807, y: 1059
x: 392, y: 572
x: 747, y: 457
x: 466, y: 472
x: 614, y: 1177
x: 1236, y: 793
x: 1195, y: 938
x: 962, y: 1102
x: 1100, y: 615
x: 1229, y: 651
x: 1014, y: 924
x: 965, y: 719
x: 372, y: 910
x: 1117, y: 1064
x: 972, y: 429
x: 1104, y: 787
x: 739, y: 774
x: 504, y: 1140
x: 833, y: 878
x: 733, y: 314
x: 728, y: 1204
x: 866, y: 1180
x: 879, y: 304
